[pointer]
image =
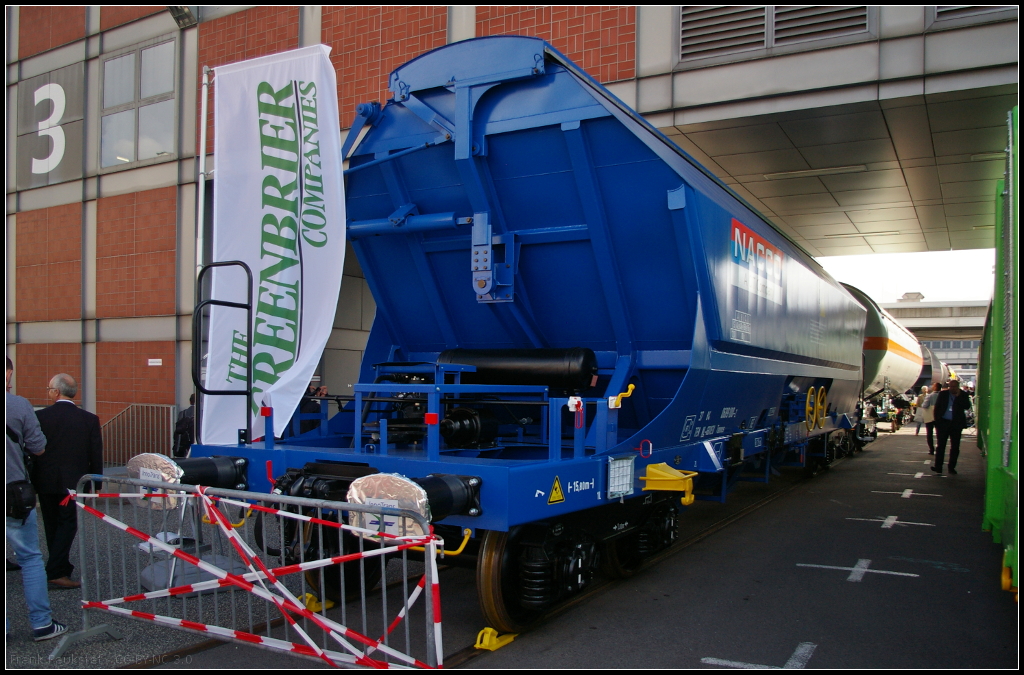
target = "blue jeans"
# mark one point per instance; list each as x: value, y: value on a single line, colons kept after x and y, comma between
x: 24, y: 539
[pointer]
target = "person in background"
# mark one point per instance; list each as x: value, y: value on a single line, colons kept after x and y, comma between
x: 928, y: 409
x: 951, y: 408
x: 74, y: 447
x: 308, y: 405
x: 185, y: 430
x: 24, y: 434
x: 918, y: 410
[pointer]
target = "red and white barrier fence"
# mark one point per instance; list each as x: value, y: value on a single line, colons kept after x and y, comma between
x: 285, y: 567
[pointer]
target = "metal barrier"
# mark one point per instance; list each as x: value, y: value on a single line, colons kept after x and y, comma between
x: 136, y: 429
x: 278, y: 572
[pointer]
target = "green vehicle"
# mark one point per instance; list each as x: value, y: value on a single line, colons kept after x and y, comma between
x: 997, y: 374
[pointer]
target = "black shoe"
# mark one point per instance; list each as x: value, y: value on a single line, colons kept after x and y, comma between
x: 936, y: 470
x: 952, y: 470
x: 12, y: 566
x: 931, y: 452
x: 49, y: 632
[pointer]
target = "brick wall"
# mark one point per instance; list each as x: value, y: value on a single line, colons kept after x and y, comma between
x: 136, y: 235
x: 368, y: 42
x: 49, y: 264
x: 41, y: 28
x: 123, y: 375
x: 36, y: 364
x: 601, y: 40
x: 240, y: 36
x: 111, y: 16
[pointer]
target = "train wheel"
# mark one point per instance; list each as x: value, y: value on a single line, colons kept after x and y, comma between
x: 497, y: 583
x: 845, y: 445
x: 621, y: 557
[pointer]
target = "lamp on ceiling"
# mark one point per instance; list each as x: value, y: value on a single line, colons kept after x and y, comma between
x: 862, y: 234
x: 830, y: 171
x: 184, y: 15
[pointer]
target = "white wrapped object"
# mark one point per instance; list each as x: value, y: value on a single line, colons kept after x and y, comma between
x: 389, y: 490
x: 154, y: 467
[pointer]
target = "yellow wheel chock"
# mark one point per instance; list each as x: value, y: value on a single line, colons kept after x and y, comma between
x: 313, y: 604
x: 489, y: 639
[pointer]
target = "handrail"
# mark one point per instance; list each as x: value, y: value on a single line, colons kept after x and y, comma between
x: 138, y: 428
x: 197, y: 342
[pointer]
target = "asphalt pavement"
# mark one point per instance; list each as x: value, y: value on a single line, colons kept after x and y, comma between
x: 875, y: 563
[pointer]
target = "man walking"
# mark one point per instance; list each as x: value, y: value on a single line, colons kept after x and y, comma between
x: 74, y: 447
x: 951, y: 406
x: 23, y: 433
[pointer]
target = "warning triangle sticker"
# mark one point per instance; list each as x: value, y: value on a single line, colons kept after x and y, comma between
x: 557, y: 497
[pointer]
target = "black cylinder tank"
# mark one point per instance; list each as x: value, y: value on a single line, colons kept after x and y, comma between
x: 570, y: 369
x: 221, y: 472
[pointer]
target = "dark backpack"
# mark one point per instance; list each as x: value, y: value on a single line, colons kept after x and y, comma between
x: 21, y: 496
x: 184, y: 435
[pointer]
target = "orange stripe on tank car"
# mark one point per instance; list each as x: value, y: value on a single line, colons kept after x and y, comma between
x: 887, y: 345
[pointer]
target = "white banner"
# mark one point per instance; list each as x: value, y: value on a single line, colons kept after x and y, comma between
x: 279, y: 206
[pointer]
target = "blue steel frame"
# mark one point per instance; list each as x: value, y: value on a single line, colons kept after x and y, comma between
x: 504, y: 199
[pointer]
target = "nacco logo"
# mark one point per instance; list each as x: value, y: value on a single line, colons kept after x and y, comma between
x: 756, y: 264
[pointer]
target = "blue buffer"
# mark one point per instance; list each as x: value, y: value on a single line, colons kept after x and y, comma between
x: 505, y: 203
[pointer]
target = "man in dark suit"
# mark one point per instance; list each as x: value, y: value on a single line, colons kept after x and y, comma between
x: 184, y: 430
x: 74, y: 447
x: 951, y: 406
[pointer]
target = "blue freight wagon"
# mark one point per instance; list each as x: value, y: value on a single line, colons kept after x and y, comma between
x: 579, y: 329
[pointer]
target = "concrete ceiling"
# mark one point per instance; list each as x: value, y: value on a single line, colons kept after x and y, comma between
x: 899, y: 175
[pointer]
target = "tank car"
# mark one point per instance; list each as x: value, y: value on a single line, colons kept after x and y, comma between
x: 892, y: 355
x: 932, y: 370
x: 579, y: 330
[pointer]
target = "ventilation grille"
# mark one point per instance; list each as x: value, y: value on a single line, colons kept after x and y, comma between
x: 799, y: 24
x: 721, y: 30
x: 944, y: 13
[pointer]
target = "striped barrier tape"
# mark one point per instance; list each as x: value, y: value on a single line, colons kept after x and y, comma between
x: 72, y: 494
x: 275, y: 643
x: 286, y: 603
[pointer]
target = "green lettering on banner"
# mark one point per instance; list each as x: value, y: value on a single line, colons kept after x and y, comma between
x: 291, y: 163
x: 266, y: 370
x: 273, y: 234
x: 278, y: 201
x: 276, y: 109
x: 239, y: 362
x: 314, y: 216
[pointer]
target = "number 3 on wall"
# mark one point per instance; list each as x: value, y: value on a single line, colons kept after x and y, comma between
x: 49, y: 127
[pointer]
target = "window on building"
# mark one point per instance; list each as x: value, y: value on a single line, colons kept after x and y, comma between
x: 138, y: 92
